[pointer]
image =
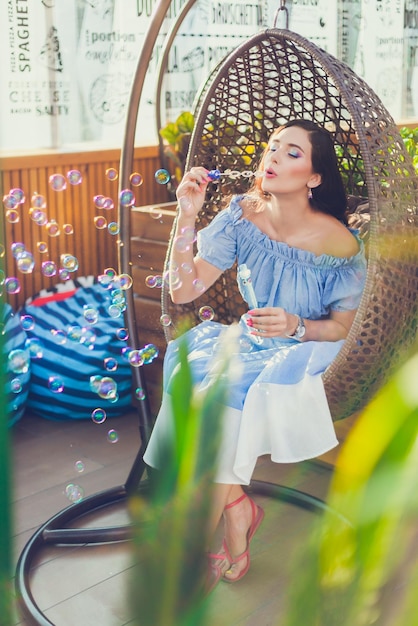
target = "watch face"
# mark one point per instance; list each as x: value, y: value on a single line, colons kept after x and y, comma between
x: 301, y: 329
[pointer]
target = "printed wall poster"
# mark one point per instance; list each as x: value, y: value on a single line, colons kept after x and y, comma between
x: 210, y: 31
x: 380, y: 50
x: 39, y: 106
x: 349, y: 22
x: 410, y: 77
x: 68, y: 65
x: 314, y: 19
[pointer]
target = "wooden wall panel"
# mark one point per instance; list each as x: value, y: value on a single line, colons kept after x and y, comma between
x: 94, y: 249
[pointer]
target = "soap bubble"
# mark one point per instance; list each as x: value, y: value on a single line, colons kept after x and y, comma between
x: 12, y: 285
x: 42, y: 247
x: 27, y: 322
x: 156, y: 212
x: 111, y: 173
x: 19, y: 194
x: 206, y: 313
x: 198, y: 285
x: 110, y: 272
x: 64, y: 274
x: 149, y: 353
x: 125, y: 281
x: 112, y: 436
x: 74, y: 177
x: 18, y: 361
x: 189, y: 234
x: 40, y: 217
x: 69, y: 262
x: 74, y: 493
x: 162, y: 176
x: 122, y: 334
x: 74, y: 333
x: 114, y: 311
x: 108, y: 204
x: 55, y: 384
x: 181, y: 244
x: 100, y: 222
x: 127, y: 197
x: 16, y: 385
x: 136, y: 179
x: 88, y: 338
x: 107, y: 388
x: 53, y: 228
x: 35, y: 347
x: 140, y: 393
x: 12, y: 216
x: 158, y: 281
x: 98, y: 416
x: 38, y: 201
x: 165, y: 320
x: 49, y: 268
x: 187, y: 268
x: 91, y: 315
x: 151, y: 281
x: 59, y: 336
x: 26, y: 263
x: 99, y: 201
x: 113, y: 228
x: 79, y: 466
x: 68, y: 229
x: 135, y: 358
x: 110, y: 364
x: 172, y: 278
x: 18, y: 249
x: 57, y: 182
x: 9, y: 201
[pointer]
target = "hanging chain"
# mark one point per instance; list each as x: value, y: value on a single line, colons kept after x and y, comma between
x: 282, y: 7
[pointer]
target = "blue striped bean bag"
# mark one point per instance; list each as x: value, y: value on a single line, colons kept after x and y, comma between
x: 77, y: 363
x: 17, y: 364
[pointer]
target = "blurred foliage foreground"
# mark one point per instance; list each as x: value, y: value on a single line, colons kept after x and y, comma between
x: 344, y: 571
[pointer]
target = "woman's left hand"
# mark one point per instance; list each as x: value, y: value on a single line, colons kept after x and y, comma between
x: 271, y: 322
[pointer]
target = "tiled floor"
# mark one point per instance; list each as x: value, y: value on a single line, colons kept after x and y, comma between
x: 88, y: 585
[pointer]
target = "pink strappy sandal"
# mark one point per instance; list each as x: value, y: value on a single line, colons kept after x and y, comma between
x: 257, y: 518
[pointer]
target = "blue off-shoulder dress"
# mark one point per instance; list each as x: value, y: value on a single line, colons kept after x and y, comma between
x: 277, y: 404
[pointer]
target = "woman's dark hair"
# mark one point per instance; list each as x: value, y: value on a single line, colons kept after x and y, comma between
x: 329, y: 197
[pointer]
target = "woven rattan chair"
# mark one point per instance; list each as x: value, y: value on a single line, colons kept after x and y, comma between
x: 277, y: 75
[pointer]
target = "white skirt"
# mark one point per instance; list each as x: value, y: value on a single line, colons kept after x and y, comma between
x: 277, y: 407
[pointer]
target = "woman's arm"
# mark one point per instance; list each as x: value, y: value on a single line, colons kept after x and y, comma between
x: 189, y: 276
x: 276, y: 322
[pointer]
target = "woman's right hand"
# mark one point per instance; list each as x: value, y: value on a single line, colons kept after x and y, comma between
x: 191, y: 191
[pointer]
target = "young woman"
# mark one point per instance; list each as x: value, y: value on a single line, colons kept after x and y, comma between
x: 308, y: 271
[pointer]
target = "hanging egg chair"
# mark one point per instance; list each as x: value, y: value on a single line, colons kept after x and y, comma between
x: 277, y: 75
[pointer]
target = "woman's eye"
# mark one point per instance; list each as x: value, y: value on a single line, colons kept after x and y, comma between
x: 272, y: 148
x: 294, y: 154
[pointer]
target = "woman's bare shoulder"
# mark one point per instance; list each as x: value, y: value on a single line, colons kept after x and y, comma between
x: 338, y: 240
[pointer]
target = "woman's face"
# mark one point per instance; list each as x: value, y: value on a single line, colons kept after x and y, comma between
x: 287, y: 164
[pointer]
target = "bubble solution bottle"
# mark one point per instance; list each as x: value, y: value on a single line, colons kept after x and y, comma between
x: 246, y: 286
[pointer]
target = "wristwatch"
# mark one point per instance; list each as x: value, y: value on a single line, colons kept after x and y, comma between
x: 300, y: 330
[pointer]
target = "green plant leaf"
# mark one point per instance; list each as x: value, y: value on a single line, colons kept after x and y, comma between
x: 185, y: 122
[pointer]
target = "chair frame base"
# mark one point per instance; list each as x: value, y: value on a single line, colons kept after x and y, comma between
x: 55, y: 531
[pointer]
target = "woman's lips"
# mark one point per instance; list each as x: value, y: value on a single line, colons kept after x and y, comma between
x: 269, y: 174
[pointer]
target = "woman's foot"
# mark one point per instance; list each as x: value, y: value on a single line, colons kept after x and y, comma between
x: 242, y: 519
